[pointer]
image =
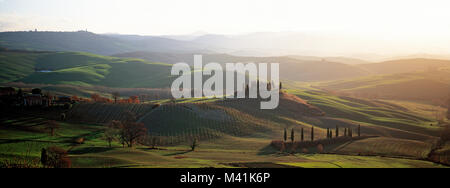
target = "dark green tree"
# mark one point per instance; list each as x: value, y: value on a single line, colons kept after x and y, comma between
x: 312, y: 133
x: 448, y: 110
x: 194, y: 144
x: 303, y: 135
x: 36, y: 91
x: 337, y: 131
x: 285, y: 135
x: 359, y: 130
x: 292, y: 135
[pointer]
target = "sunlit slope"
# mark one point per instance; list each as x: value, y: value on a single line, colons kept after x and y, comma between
x: 425, y: 85
x: 405, y: 65
x: 15, y: 66
x: 83, y: 69
x: 380, y: 118
x: 242, y: 118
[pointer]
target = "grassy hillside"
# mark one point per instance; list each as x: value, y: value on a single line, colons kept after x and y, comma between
x: 405, y: 65
x: 290, y: 68
x: 372, y: 115
x: 21, y: 139
x: 83, y: 69
x: 431, y: 86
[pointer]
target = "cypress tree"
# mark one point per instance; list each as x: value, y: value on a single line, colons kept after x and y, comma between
x: 303, y: 135
x: 448, y: 110
x: 328, y: 133
x: 359, y: 130
x: 285, y: 135
x: 292, y: 135
x: 312, y: 134
x: 345, y: 132
x: 331, y: 134
x: 337, y: 131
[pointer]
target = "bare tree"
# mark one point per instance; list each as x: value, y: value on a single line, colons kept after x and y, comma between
x: 129, y: 131
x: 53, y: 126
x: 115, y: 95
x: 112, y: 133
x: 194, y: 144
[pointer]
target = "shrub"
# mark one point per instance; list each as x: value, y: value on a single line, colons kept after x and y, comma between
x: 156, y: 106
x: 320, y: 148
x: 79, y: 141
x: 55, y: 157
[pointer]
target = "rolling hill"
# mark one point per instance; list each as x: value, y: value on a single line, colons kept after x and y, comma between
x: 290, y: 68
x: 405, y: 66
x: 92, y: 43
x: 82, y: 69
x: 430, y: 86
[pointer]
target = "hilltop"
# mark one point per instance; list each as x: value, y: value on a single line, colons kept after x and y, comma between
x: 92, y: 43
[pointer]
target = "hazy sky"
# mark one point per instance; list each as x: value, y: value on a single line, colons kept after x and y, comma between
x: 414, y: 18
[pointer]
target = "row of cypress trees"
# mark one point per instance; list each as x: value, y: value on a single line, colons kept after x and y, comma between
x: 347, y: 133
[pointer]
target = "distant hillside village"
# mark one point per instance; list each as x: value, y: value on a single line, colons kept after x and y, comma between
x: 10, y: 96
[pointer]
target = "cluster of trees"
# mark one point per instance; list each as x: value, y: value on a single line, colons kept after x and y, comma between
x: 80, y: 99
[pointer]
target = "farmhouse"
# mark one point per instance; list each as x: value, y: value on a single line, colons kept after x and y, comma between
x: 36, y: 100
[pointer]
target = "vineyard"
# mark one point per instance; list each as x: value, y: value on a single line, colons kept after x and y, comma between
x: 203, y: 121
x: 98, y: 113
x: 181, y: 123
x: 174, y: 123
x: 388, y: 147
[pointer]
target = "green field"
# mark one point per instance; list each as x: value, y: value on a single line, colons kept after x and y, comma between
x: 220, y: 153
x: 82, y: 69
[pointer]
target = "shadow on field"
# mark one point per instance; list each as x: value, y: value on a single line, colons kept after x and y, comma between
x: 260, y: 165
x: 86, y: 150
x: 267, y: 150
x: 177, y: 153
